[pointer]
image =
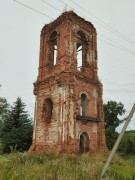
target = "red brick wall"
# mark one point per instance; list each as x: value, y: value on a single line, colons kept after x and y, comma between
x: 64, y: 84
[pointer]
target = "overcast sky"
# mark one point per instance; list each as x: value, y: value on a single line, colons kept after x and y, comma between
x: 20, y: 37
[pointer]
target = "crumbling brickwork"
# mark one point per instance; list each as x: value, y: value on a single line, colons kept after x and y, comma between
x: 68, y: 107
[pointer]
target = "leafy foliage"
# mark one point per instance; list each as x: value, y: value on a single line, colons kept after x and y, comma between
x: 3, y: 106
x: 111, y: 137
x: 17, y: 128
x: 4, y: 112
x: 112, y: 112
x: 127, y: 145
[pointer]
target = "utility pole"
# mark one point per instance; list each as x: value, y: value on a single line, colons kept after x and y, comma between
x: 118, y: 141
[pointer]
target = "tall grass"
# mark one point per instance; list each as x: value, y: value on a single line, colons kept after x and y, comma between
x: 17, y: 166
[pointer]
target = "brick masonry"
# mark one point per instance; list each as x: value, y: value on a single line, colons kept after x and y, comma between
x: 64, y: 84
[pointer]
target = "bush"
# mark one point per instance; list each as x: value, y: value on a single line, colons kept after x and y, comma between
x: 127, y: 145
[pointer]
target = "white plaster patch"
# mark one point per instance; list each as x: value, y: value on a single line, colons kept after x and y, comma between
x: 95, y: 97
x: 77, y: 130
x: 52, y: 136
x: 71, y: 47
x: 95, y: 128
x: 71, y: 122
x: 39, y: 134
x: 95, y: 93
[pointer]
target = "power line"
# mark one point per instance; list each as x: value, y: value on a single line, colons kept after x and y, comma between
x: 122, y: 47
x: 116, y: 32
x: 50, y: 5
x: 116, y: 46
x: 65, y: 5
x: 32, y: 9
x: 86, y: 16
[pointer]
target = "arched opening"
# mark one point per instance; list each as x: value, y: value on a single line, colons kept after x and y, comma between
x: 79, y: 56
x: 55, y: 54
x: 84, y: 142
x: 83, y: 105
x: 53, y: 49
x: 47, y: 109
x: 81, y: 50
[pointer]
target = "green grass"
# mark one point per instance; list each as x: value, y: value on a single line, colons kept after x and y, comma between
x: 17, y: 166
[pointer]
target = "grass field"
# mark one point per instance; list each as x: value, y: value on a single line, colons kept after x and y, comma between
x: 23, y: 166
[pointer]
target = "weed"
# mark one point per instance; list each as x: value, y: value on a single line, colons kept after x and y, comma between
x: 24, y: 166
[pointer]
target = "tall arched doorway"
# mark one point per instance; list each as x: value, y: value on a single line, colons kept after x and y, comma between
x: 84, y: 142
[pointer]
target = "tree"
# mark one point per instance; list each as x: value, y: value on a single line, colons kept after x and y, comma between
x: 4, y: 112
x: 17, y: 128
x: 112, y: 112
x: 127, y: 145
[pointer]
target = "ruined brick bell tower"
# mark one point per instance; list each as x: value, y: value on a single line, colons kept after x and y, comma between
x: 68, y: 109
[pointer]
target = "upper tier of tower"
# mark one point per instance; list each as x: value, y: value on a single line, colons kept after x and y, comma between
x: 68, y: 44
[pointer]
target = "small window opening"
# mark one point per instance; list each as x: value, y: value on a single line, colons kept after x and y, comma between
x: 79, y: 56
x: 53, y: 50
x: 82, y: 48
x: 47, y: 110
x: 83, y: 107
x: 55, y: 54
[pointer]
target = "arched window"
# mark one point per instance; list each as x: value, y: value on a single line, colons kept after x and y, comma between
x: 84, y: 142
x: 83, y: 106
x: 79, y: 56
x: 53, y: 48
x: 81, y: 48
x: 55, y: 54
x: 47, y: 109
